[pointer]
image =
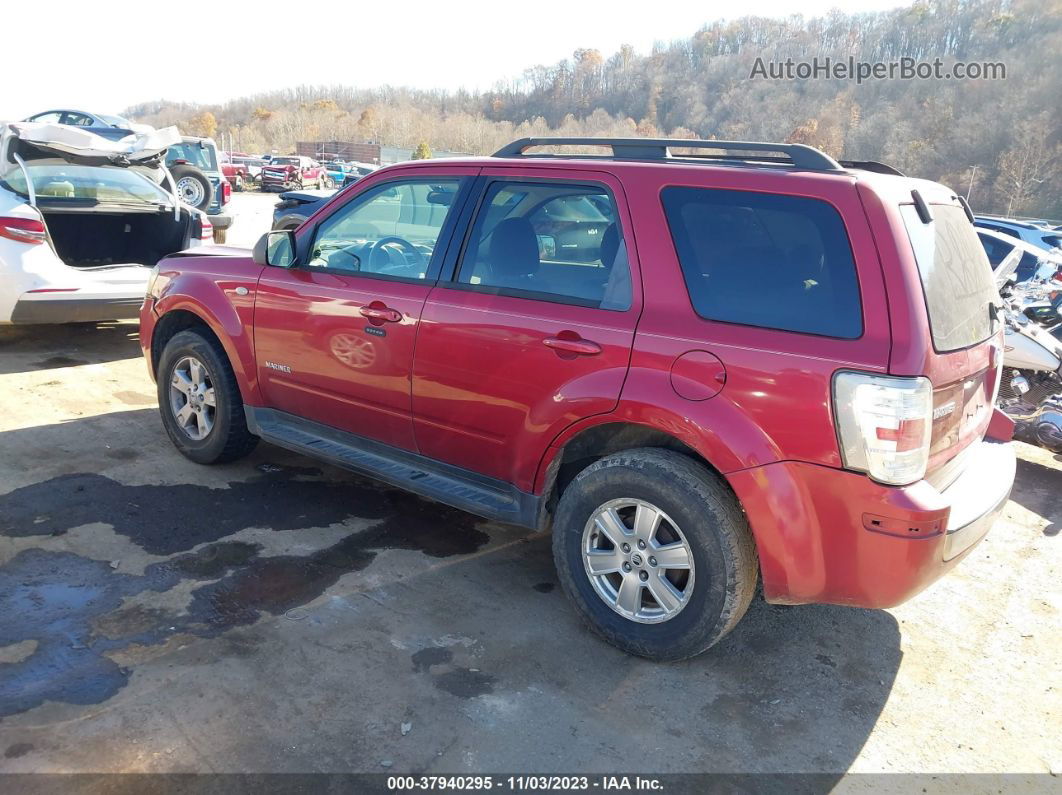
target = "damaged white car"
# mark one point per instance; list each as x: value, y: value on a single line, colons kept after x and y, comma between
x: 82, y: 222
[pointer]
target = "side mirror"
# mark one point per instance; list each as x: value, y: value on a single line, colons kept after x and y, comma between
x: 276, y: 249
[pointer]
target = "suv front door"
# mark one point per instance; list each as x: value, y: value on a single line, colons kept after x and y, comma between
x: 533, y: 329
x: 334, y: 335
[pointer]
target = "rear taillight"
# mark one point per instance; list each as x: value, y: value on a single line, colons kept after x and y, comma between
x: 226, y: 191
x: 206, y: 229
x: 884, y: 425
x: 24, y: 230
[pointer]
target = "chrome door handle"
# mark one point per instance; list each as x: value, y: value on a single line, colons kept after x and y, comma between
x: 381, y: 313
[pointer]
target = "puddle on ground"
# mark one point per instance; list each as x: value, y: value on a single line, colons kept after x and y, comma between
x: 163, y: 520
x: 74, y: 607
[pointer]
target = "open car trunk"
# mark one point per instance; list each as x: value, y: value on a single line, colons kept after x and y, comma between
x: 85, y: 238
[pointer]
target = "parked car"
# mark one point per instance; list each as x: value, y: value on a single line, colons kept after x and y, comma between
x: 82, y: 118
x: 1039, y: 236
x: 775, y: 380
x: 293, y: 173
x: 235, y: 171
x: 200, y: 182
x: 341, y: 173
x: 253, y: 165
x: 295, y: 206
x: 77, y: 240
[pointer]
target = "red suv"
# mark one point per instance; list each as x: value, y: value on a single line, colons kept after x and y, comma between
x: 701, y: 371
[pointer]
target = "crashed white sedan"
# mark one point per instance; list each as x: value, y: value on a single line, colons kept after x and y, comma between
x: 82, y: 221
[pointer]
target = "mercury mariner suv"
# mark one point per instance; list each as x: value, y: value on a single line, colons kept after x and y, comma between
x: 705, y: 364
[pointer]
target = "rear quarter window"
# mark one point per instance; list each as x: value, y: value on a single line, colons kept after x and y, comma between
x: 766, y: 260
x: 956, y: 276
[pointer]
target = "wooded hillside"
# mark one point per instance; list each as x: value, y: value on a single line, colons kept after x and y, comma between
x: 1000, y: 136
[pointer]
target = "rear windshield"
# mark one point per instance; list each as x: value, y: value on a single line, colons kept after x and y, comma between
x: 956, y: 276
x: 199, y: 155
x: 92, y: 183
x: 760, y: 259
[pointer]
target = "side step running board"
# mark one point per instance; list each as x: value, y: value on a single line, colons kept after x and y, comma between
x: 469, y: 491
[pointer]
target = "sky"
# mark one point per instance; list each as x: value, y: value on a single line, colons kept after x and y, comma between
x: 79, y: 57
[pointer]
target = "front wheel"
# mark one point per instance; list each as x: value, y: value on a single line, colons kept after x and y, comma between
x: 200, y: 401
x: 655, y: 553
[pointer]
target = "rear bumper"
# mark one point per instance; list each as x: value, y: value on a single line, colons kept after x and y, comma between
x: 75, y: 310
x: 827, y: 535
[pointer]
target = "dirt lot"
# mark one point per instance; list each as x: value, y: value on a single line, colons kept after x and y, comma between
x: 280, y: 615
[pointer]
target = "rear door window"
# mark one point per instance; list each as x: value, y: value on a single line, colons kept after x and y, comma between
x: 766, y: 260
x: 550, y: 241
x: 956, y: 276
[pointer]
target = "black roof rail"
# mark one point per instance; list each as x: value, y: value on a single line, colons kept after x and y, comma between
x: 873, y: 165
x: 801, y: 156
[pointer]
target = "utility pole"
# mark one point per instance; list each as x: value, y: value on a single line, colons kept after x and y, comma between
x: 973, y: 176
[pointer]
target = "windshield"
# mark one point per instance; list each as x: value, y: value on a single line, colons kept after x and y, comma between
x: 80, y: 183
x: 285, y: 161
x: 198, y: 154
x: 956, y: 276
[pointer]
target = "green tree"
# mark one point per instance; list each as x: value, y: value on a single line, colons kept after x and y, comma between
x: 422, y: 152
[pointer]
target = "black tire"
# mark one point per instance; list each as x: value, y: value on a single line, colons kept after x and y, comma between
x: 724, y: 554
x: 185, y: 171
x: 228, y: 439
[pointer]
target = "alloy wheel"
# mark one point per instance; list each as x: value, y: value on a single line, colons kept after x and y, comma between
x: 638, y: 560
x: 193, y: 402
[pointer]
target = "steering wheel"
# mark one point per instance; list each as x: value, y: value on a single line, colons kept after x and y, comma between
x: 405, y: 245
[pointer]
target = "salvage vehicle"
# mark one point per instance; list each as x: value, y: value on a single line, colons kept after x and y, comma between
x: 765, y: 373
x: 1030, y: 391
x: 1032, y: 259
x: 236, y: 173
x: 253, y: 165
x: 293, y: 172
x: 80, y: 228
x: 1039, y: 236
x: 195, y: 167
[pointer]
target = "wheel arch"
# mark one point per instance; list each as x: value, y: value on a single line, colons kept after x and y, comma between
x: 578, y: 448
x: 233, y: 338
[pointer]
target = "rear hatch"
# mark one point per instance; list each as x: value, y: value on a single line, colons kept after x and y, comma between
x: 960, y: 298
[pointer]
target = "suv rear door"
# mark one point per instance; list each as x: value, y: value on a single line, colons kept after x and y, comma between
x: 532, y: 327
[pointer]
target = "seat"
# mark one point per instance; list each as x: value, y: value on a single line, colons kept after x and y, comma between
x: 513, y: 255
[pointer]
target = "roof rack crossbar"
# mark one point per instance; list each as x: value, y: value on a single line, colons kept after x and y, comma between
x: 803, y: 157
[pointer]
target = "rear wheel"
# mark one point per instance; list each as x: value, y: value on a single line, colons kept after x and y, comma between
x: 655, y: 553
x: 200, y: 401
